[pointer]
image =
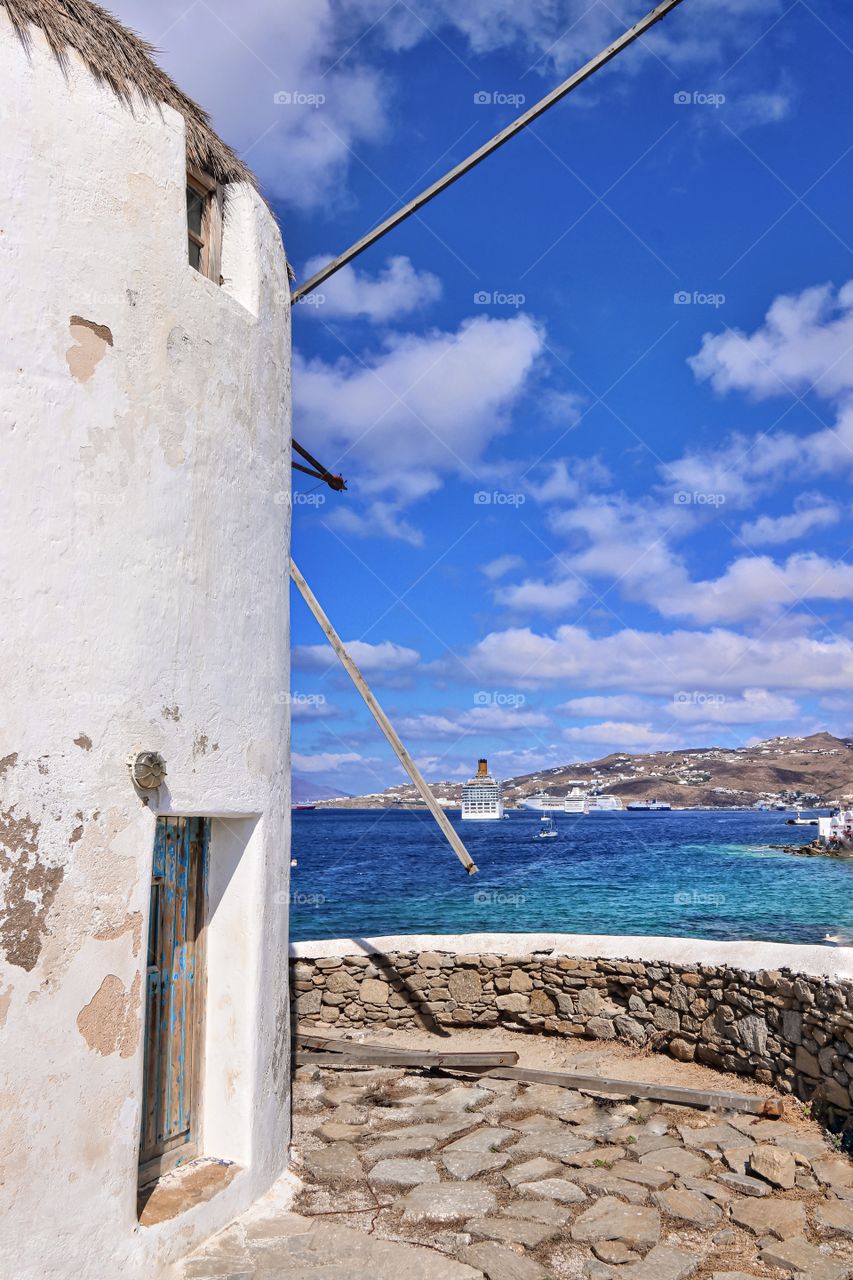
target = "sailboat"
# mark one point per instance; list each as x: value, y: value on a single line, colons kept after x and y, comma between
x: 547, y: 830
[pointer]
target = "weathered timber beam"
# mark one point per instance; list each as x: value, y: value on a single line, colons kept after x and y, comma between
x: 480, y: 1062
x: 714, y: 1098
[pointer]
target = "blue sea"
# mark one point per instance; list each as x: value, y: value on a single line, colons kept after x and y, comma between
x: 696, y: 874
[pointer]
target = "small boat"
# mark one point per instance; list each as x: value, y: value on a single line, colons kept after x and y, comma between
x: 547, y: 830
x: 302, y: 808
x: 800, y: 821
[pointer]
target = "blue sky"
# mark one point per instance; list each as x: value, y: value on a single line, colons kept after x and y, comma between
x: 595, y: 404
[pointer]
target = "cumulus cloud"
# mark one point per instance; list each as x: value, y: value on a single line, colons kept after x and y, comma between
x: 626, y: 706
x: 499, y: 567
x: 385, y: 658
x: 328, y: 761
x: 399, y: 420
x: 754, y: 706
x: 805, y: 345
x: 477, y: 720
x: 757, y: 586
x: 395, y: 291
x: 806, y: 342
x: 535, y: 595
x: 620, y: 735
x: 424, y: 401
x: 812, y: 512
x: 658, y: 661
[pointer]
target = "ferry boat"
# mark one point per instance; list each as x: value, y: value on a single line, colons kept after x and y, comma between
x: 482, y: 797
x: 649, y: 806
x: 800, y: 821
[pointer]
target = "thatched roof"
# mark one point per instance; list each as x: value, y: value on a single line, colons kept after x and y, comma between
x: 126, y: 63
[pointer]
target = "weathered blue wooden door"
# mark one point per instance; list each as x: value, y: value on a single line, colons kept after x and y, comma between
x: 175, y: 993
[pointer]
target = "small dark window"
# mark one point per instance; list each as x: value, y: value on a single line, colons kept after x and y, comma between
x: 204, y: 224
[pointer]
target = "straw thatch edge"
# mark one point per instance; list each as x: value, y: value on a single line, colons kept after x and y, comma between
x: 125, y: 62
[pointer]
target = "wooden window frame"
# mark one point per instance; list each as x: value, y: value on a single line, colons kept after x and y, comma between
x: 210, y: 240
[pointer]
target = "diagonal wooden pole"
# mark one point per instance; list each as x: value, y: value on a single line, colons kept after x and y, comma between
x: 384, y: 723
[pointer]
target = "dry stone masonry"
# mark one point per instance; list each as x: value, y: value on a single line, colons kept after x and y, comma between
x: 789, y: 1031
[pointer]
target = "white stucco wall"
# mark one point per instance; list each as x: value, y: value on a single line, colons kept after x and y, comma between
x: 835, y: 963
x: 144, y: 560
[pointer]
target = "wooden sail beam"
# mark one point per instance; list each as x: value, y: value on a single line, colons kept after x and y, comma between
x: 384, y: 723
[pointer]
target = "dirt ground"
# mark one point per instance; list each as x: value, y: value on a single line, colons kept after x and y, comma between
x: 555, y: 1053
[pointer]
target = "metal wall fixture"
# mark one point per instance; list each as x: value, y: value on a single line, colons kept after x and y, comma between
x: 148, y: 770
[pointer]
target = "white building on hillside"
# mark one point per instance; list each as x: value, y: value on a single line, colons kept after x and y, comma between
x: 144, y: 448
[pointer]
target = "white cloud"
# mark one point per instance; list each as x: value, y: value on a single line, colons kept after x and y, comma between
x: 328, y: 761
x: 754, y: 587
x: 806, y: 342
x: 570, y: 480
x: 398, y: 289
x: 620, y: 735
x: 477, y: 720
x: 501, y: 566
x: 764, y: 107
x: 805, y: 345
x: 310, y: 707
x: 623, y: 705
x: 753, y: 707
x: 377, y: 520
x: 659, y: 662
x: 812, y: 512
x: 534, y: 595
x: 385, y: 658
x: 558, y: 35
x: 422, y: 406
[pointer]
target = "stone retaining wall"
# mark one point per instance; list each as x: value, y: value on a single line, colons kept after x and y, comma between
x: 791, y: 1030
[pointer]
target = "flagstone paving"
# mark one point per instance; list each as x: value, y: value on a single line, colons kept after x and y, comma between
x: 434, y: 1178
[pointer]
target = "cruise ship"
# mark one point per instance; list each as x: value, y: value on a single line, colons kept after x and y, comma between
x: 577, y: 800
x: 482, y: 797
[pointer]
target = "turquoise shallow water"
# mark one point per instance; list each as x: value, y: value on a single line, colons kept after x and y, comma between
x: 689, y: 874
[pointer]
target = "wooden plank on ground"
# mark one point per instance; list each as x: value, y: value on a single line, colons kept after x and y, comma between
x: 479, y: 1062
x: 715, y: 1098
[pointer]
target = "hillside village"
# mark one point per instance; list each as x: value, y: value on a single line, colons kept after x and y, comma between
x: 814, y: 771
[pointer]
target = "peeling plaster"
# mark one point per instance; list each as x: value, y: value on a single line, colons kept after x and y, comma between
x: 109, y: 1023
x: 132, y: 923
x: 84, y: 742
x: 90, y: 346
x: 5, y: 1002
x: 29, y: 891
x: 8, y: 762
x: 171, y: 713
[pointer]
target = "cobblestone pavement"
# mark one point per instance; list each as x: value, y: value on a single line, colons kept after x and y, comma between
x: 435, y: 1178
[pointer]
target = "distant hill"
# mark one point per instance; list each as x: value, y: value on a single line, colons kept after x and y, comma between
x: 308, y: 790
x: 813, y: 771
